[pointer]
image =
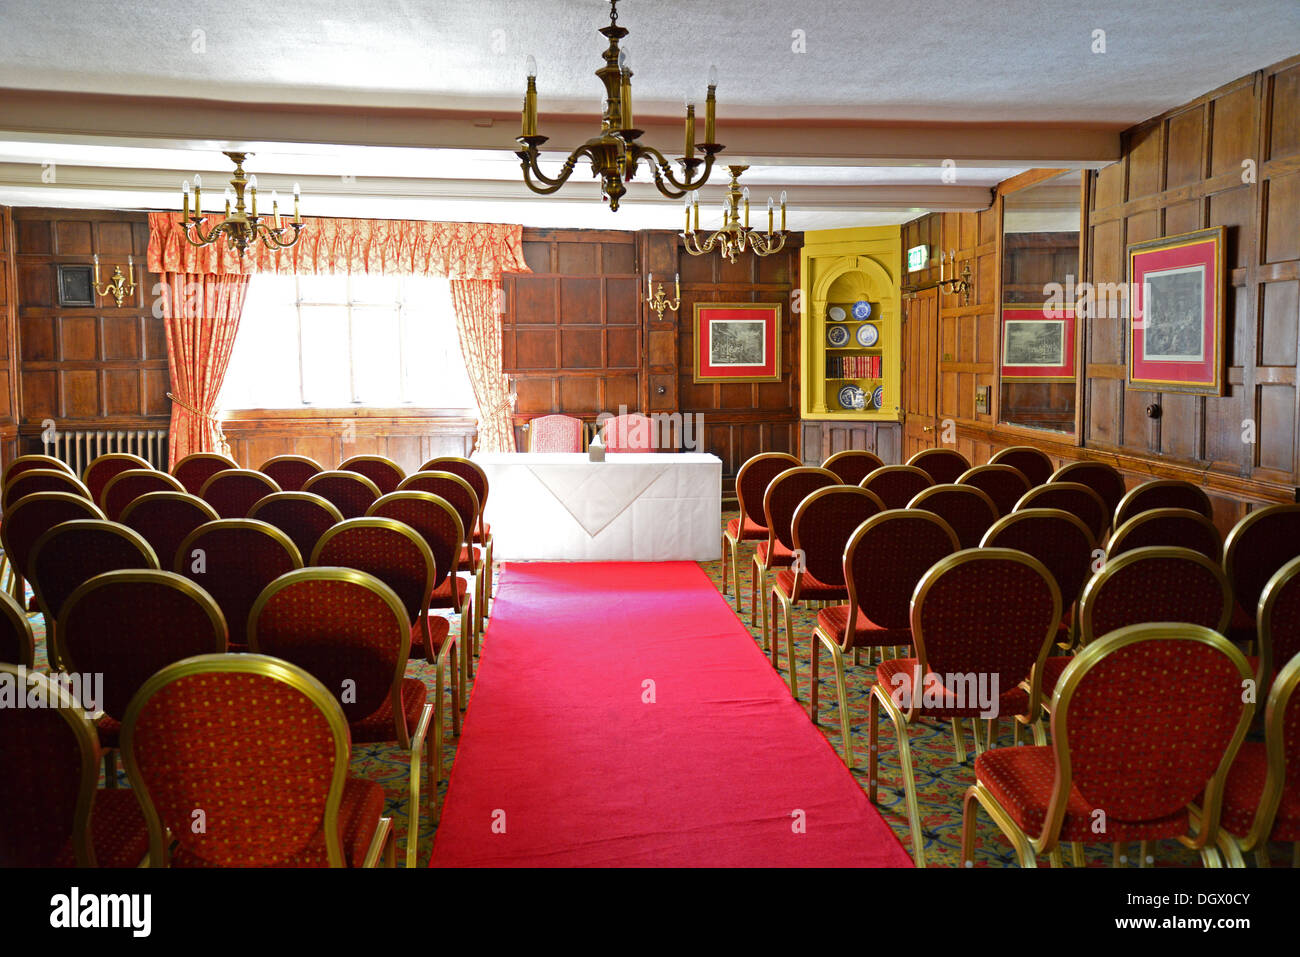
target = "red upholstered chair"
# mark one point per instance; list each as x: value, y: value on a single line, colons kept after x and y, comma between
x: 1163, y: 493
x: 944, y: 466
x: 25, y: 463
x: 783, y: 495
x: 233, y: 559
x: 165, y: 518
x: 454, y: 489
x: 303, y: 516
x: 1073, y: 498
x: 885, y: 558
x: 350, y: 492
x: 31, y: 517
x: 556, y: 433
x: 290, y: 472
x: 983, y: 620
x: 104, y: 467
x: 41, y: 480
x: 17, y: 641
x: 853, y: 465
x: 350, y: 631
x: 399, y: 557
x: 1145, y: 720
x: 1004, y: 484
x: 195, y: 469
x: 1034, y: 464
x: 1261, y: 798
x: 439, y: 525
x: 125, y: 487
x: 821, y: 527
x: 751, y: 525
x: 630, y: 432
x: 1258, y: 545
x: 968, y: 510
x: 384, y: 472
x: 1279, y: 622
x: 896, y: 485
x: 472, y: 473
x: 236, y: 735
x: 72, y: 553
x: 233, y: 492
x: 1168, y: 526
x: 1103, y: 479
x: 127, y: 625
x: 51, y: 814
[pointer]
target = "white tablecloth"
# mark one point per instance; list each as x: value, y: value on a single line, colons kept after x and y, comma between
x: 645, y: 507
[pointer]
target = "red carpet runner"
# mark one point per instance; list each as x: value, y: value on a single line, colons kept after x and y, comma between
x: 563, y: 762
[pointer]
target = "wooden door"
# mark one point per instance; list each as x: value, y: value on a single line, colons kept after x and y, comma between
x: 920, y: 372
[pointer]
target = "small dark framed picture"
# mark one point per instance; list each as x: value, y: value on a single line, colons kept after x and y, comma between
x: 75, y: 286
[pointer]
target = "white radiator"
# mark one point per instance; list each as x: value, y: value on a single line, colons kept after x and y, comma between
x: 82, y: 447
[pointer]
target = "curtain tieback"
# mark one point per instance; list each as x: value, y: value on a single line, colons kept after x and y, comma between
x: 190, y: 408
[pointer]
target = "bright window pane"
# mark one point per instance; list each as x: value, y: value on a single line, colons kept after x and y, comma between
x: 263, y: 372
x: 326, y: 373
x: 377, y: 364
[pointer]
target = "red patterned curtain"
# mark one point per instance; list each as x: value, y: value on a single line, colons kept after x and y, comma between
x: 478, y: 323
x: 201, y: 316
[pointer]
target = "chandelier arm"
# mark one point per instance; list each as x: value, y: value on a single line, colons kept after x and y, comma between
x: 529, y: 162
x: 762, y: 245
x: 198, y: 229
x: 271, y: 237
x: 667, y: 183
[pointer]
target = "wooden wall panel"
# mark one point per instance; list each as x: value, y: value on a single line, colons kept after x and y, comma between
x: 8, y: 330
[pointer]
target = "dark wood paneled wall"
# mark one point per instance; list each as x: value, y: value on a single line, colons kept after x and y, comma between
x: 8, y: 325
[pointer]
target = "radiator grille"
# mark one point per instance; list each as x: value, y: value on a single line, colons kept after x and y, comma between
x: 82, y: 447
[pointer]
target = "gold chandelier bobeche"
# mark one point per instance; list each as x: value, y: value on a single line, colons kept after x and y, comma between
x: 733, y: 238
x: 242, y: 226
x: 615, y: 154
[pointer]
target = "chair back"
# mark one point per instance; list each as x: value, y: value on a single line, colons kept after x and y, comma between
x: 389, y: 550
x: 753, y: 479
x: 1103, y: 479
x: 1163, y: 493
x: 1282, y: 751
x: 1034, y: 464
x: 556, y: 433
x: 17, y: 640
x: 233, y: 559
x: 968, y: 510
x: 853, y: 465
x: 1004, y: 484
x: 896, y: 485
x: 384, y: 472
x: 437, y: 522
x: 1147, y: 720
x: 1155, y: 584
x: 630, y: 432
x: 165, y: 518
x: 451, y: 488
x: 41, y: 480
x: 1258, y: 545
x: 25, y: 463
x: 51, y: 760
x: 1279, y: 622
x: 783, y: 495
x: 234, y: 491
x: 344, y: 627
x: 290, y: 472
x: 104, y: 467
x: 303, y: 516
x: 821, y: 528
x: 944, y: 466
x: 209, y: 732
x: 470, y: 471
x: 1061, y: 541
x: 350, y: 492
x: 125, y: 487
x: 885, y: 558
x: 33, y: 515
x: 196, y: 468
x: 129, y: 625
x: 1168, y: 526
x: 1074, y: 498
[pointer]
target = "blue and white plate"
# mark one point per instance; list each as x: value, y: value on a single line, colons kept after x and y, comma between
x: 837, y: 335
x: 878, y: 396
x: 836, y: 314
x: 862, y: 309
x: 868, y: 334
x: 852, y: 397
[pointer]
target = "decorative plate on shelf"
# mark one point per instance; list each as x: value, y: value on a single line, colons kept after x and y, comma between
x: 878, y: 396
x: 852, y: 397
x: 837, y: 335
x: 862, y: 309
x: 868, y: 334
x: 836, y: 314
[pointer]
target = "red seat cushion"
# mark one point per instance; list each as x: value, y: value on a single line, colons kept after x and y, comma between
x: 380, y: 726
x: 1021, y: 780
x: 469, y: 561
x: 1241, y: 627
x: 752, y: 532
x: 110, y: 732
x: 898, y: 675
x: 439, y: 627
x: 1052, y: 671
x: 442, y: 597
x: 782, y: 557
x: 810, y: 588
x: 117, y: 831
x: 1244, y: 788
x: 834, y: 621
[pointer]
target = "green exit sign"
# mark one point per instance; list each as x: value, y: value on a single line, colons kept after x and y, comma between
x: 917, y: 257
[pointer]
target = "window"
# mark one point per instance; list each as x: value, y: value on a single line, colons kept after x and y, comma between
x: 339, y: 341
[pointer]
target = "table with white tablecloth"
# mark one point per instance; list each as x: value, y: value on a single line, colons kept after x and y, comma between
x: 634, y: 506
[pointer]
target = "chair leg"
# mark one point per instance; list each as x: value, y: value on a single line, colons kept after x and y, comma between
x: 958, y: 741
x: 968, y: 810
x: 110, y: 768
x: 1144, y: 853
x: 1261, y: 856
x: 975, y: 732
x: 814, y: 666
x: 754, y: 574
x: 788, y: 608
x: 735, y: 575
x: 725, y: 563
x: 842, y: 697
x: 1076, y: 854
x: 439, y: 677
x: 909, y: 780
x: 1118, y: 855
x: 1055, y: 857
x: 873, y: 745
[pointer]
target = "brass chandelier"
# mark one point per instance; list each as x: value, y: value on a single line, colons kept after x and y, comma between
x: 733, y: 238
x: 615, y: 154
x: 242, y: 226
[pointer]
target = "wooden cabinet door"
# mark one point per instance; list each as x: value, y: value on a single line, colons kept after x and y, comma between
x: 920, y: 372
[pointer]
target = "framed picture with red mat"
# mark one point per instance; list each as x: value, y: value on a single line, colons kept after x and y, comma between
x: 1037, y: 343
x: 738, y: 342
x: 1176, y: 313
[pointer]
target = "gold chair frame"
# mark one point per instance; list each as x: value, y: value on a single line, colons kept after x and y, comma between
x: 733, y: 544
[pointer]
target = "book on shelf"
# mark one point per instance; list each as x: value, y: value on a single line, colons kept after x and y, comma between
x: 853, y: 367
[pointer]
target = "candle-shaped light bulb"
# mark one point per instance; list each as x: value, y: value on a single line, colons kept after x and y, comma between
x: 687, y: 198
x: 198, y: 195
x: 275, y: 208
x: 530, y: 66
x: 782, y: 210
x: 95, y: 259
x: 130, y: 263
x: 745, y: 193
x: 649, y: 285
x: 625, y: 90
x: 529, y: 123
x: 710, y: 102
x: 677, y: 285
x: 713, y: 74
x: 770, y: 206
x: 252, y: 187
x: 297, y: 195
x: 697, y: 210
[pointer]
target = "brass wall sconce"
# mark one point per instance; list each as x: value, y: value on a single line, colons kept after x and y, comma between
x: 119, y: 287
x: 952, y: 284
x: 656, y: 299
